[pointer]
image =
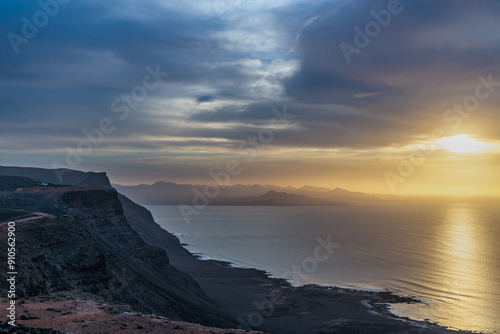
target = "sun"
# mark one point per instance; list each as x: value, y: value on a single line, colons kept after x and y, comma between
x: 462, y: 144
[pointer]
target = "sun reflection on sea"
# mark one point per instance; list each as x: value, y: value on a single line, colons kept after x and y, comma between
x: 457, y: 266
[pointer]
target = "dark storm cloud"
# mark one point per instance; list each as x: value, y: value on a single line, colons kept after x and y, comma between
x: 447, y: 41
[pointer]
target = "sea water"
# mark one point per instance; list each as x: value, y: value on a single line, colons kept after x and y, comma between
x: 444, y: 252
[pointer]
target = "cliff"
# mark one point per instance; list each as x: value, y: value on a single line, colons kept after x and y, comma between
x: 78, y: 238
x: 59, y: 176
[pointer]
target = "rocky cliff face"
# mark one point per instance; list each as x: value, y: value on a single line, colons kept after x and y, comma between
x: 78, y: 238
x: 142, y: 222
x: 53, y: 254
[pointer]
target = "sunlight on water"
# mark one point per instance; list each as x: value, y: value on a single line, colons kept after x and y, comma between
x: 461, y: 265
x: 464, y: 284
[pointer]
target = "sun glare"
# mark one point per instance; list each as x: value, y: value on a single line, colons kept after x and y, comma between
x: 462, y: 144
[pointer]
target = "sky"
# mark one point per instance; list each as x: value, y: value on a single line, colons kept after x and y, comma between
x: 397, y: 97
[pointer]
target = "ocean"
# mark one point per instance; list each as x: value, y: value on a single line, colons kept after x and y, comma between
x: 443, y: 251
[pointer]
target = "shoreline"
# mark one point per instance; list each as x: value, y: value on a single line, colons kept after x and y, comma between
x: 391, y: 297
x: 261, y: 302
x: 379, y: 300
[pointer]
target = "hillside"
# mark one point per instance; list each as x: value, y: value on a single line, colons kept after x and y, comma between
x: 71, y: 237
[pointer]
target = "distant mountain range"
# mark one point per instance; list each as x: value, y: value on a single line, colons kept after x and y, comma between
x: 275, y: 198
x: 168, y: 193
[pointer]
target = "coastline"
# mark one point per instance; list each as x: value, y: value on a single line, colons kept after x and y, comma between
x: 374, y: 301
x: 261, y: 302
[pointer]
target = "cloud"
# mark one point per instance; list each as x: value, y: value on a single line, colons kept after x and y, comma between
x: 362, y: 95
x: 397, y: 88
x: 423, y: 62
x: 205, y: 98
